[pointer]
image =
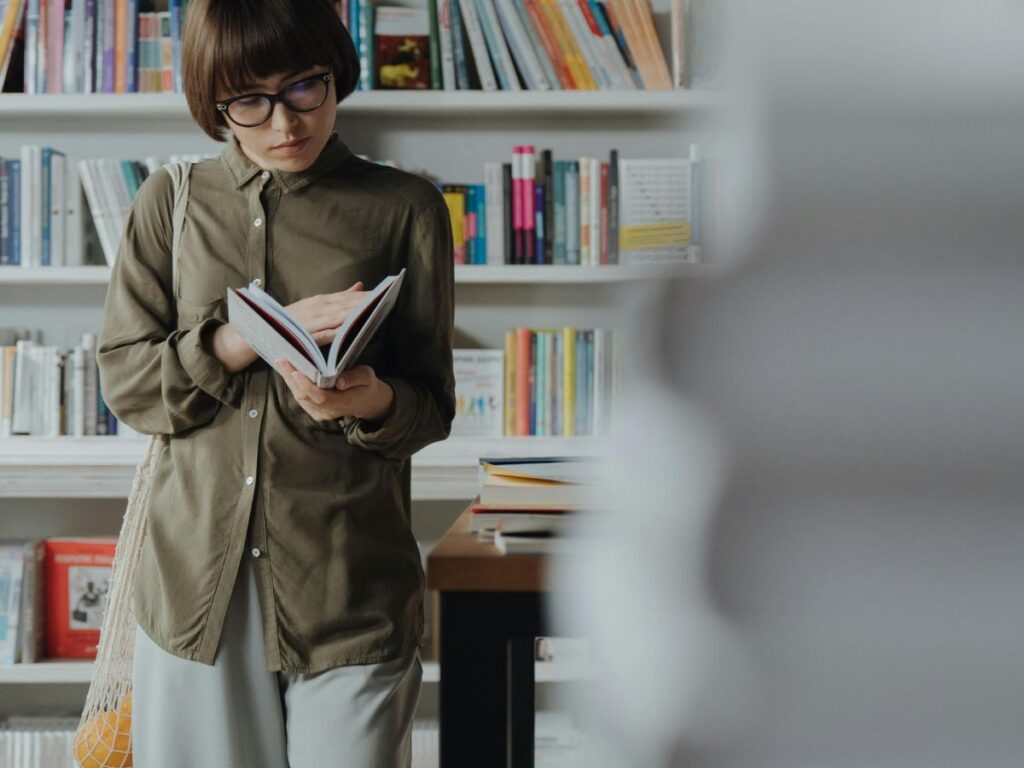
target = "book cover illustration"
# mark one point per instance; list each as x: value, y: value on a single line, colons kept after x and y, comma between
x: 402, y: 48
x: 479, y: 392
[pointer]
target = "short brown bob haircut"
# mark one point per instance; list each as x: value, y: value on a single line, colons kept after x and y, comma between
x: 229, y: 44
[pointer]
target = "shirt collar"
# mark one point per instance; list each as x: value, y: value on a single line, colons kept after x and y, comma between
x: 243, y: 170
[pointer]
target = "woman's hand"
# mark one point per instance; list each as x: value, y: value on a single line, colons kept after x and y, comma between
x: 323, y: 314
x: 358, y: 392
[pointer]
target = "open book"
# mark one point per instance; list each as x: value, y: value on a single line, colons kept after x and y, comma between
x: 274, y: 334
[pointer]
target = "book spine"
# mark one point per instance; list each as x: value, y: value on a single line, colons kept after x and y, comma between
x: 595, y: 211
x: 131, y: 46
x: 620, y: 41
x: 549, y: 206
x: 548, y: 38
x: 517, y: 205
x: 367, y: 65
x: 603, y: 214
x: 435, y: 47
x: 522, y: 374
x: 495, y: 235
x: 509, y: 421
x: 529, y: 214
x: 540, y: 357
x: 582, y: 37
x: 469, y: 194
x: 532, y: 380
x: 58, y: 209
x: 558, y: 219
x: 5, y: 213
x: 46, y: 177
x: 481, y: 223
x: 555, y: 382
x: 572, y: 213
x: 32, y: 47
x: 462, y: 79
x: 581, y: 73
x: 110, y: 46
x: 447, y: 45
x: 613, y: 56
x: 569, y: 382
x: 506, y: 195
x: 354, y: 17
x: 54, y: 48
x: 540, y: 52
x: 584, y: 217
x: 478, y: 46
x: 613, y: 207
x: 522, y: 46
x: 15, y: 247
x: 496, y: 45
x: 539, y: 207
x: 176, y: 11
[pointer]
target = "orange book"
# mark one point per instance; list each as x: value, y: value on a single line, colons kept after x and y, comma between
x: 523, y: 336
x: 660, y: 78
x: 120, y: 46
x: 510, y: 384
x: 550, y: 43
x: 567, y: 42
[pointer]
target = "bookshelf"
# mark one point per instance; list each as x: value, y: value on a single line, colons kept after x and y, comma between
x: 77, y: 485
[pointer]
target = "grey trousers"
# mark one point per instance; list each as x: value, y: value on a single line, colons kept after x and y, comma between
x: 236, y: 714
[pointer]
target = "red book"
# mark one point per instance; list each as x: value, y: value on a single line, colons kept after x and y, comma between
x: 517, y: 205
x: 77, y: 584
x: 523, y: 398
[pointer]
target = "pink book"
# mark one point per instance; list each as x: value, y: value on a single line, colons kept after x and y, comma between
x: 55, y: 46
x: 517, y: 204
x: 529, y: 212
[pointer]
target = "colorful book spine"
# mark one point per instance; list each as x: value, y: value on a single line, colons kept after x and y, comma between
x: 435, y: 46
x: 462, y: 79
x: 603, y: 213
x: 568, y: 382
x: 446, y: 45
x: 509, y: 232
x: 545, y: 33
x: 529, y: 203
x: 510, y: 384
x: 522, y: 373
x: 14, y: 198
x: 572, y: 213
x: 613, y: 207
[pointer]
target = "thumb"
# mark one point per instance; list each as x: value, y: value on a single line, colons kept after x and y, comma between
x: 356, y: 286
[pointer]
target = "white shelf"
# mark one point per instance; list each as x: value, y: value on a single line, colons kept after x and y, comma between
x: 148, y: 106
x: 80, y: 673
x: 103, y: 467
x: 549, y: 274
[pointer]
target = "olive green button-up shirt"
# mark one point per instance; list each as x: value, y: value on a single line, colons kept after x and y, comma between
x: 323, y: 508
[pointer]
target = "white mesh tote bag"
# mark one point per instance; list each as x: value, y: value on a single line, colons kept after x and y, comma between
x: 103, y: 738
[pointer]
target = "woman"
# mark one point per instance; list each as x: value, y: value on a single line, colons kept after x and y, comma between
x: 280, y: 592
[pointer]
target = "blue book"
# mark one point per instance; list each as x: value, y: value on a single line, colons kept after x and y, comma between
x: 481, y: 224
x: 47, y: 154
x: 556, y: 385
x: 5, y: 212
x: 353, y: 27
x: 14, y: 203
x: 470, y: 208
x: 558, y: 236
x: 538, y: 250
x: 572, y: 212
x: 462, y: 80
x: 175, y: 9
x: 131, y: 83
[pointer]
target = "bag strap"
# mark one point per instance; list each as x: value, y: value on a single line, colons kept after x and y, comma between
x: 181, y: 174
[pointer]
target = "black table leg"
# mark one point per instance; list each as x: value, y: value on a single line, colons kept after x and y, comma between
x: 475, y: 631
x: 521, y: 707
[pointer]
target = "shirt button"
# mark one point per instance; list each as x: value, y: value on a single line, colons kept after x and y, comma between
x: 256, y: 552
x: 253, y: 413
x: 250, y: 480
x: 258, y: 222
x: 257, y: 281
x: 265, y: 175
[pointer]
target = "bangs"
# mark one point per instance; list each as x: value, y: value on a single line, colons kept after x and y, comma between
x: 255, y: 43
x: 228, y: 45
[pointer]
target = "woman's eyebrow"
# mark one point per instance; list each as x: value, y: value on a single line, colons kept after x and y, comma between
x: 249, y: 86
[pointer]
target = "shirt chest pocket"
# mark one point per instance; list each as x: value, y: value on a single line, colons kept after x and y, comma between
x: 190, y: 314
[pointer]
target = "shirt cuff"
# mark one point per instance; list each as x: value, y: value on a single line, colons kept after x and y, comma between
x: 392, y: 425
x: 205, y: 370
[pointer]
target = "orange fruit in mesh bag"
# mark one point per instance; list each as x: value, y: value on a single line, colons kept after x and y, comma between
x: 105, y: 741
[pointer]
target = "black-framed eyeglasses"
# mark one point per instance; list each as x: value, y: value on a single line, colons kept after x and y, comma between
x: 252, y: 109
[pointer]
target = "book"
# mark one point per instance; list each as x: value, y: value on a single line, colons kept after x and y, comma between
x: 505, y: 489
x: 77, y: 585
x: 402, y: 48
x: 655, y: 200
x: 531, y: 542
x: 274, y: 334
x: 479, y: 394
x: 515, y: 519
x: 552, y: 469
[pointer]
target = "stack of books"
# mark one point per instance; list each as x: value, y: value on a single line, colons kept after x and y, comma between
x: 526, y: 505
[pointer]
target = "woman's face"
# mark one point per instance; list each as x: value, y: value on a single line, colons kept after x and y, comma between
x: 287, y: 141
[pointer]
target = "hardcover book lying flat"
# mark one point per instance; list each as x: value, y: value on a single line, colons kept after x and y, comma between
x: 274, y: 334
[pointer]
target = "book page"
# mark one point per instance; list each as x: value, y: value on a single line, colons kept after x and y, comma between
x: 358, y: 329
x: 277, y: 315
x: 266, y: 340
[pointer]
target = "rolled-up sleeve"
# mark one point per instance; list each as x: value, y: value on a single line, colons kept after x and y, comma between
x: 154, y: 377
x: 420, y: 366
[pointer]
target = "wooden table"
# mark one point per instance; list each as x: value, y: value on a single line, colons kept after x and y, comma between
x: 491, y: 611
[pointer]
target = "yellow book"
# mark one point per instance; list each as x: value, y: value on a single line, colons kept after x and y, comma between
x: 569, y: 382
x: 510, y: 383
x: 567, y: 42
x: 457, y: 208
x: 8, y: 26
